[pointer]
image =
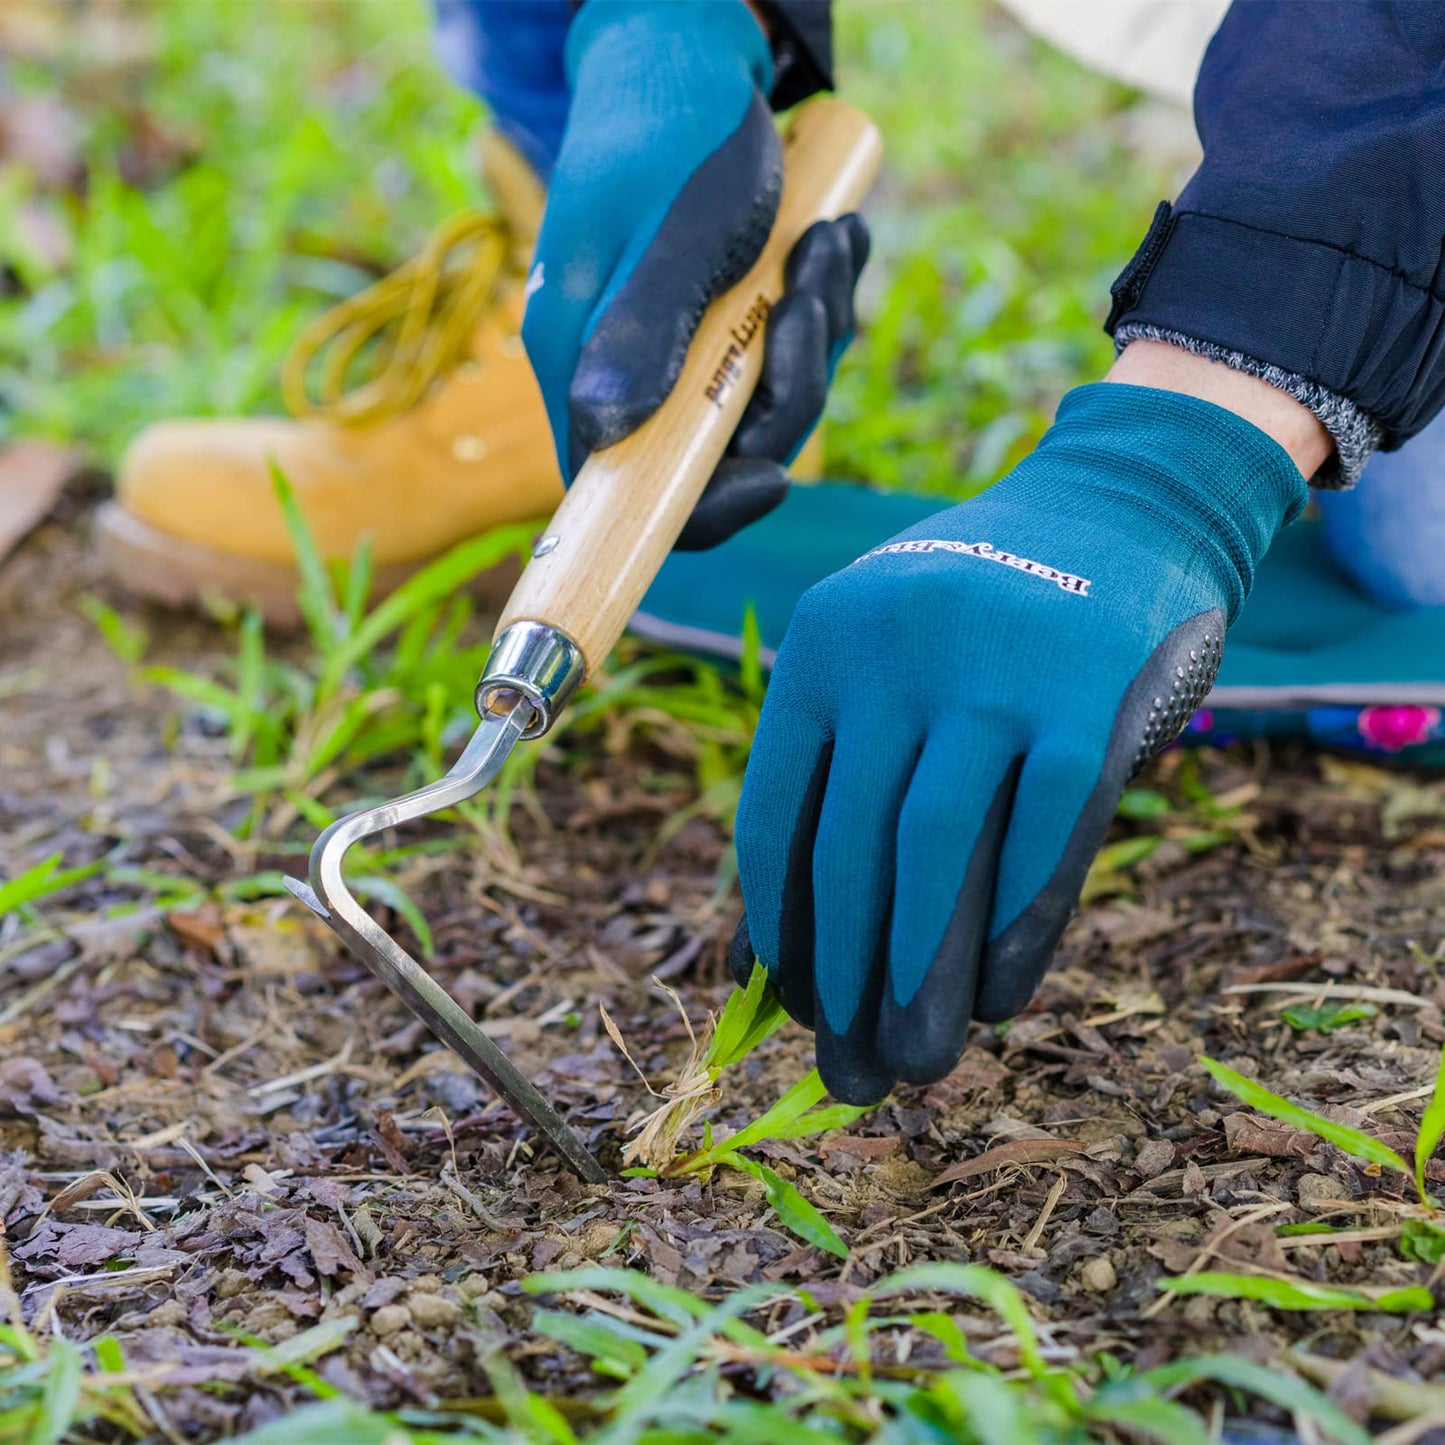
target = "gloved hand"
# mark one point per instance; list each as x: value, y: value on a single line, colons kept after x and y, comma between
x: 663, y: 195
x: 952, y: 718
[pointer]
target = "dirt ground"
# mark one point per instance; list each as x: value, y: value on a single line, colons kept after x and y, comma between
x: 300, y: 1149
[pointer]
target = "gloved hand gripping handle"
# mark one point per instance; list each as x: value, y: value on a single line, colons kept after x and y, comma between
x: 623, y: 513
x: 587, y: 575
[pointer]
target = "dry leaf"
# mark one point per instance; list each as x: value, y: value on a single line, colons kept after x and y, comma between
x: 1016, y: 1151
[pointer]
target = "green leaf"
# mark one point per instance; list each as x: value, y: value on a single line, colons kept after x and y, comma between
x: 1423, y: 1240
x: 1432, y: 1128
x: 794, y: 1211
x: 536, y: 1418
x: 1352, y: 1141
x: 20, y: 1342
x: 821, y: 1121
x: 1287, y: 1391
x: 809, y: 1090
x: 127, y: 640
x: 1125, y: 853
x: 1327, y: 1018
x: 750, y: 1015
x: 60, y: 1396
x: 108, y: 1355
x: 358, y: 583
x: 598, y: 1337
x: 309, y: 1345
x: 947, y: 1331
x: 200, y: 690
x: 1153, y: 1416
x: 316, y: 595
x: 328, y: 1423
x: 1141, y: 805
x: 1298, y: 1294
x: 750, y: 664
x: 975, y: 1281
x: 250, y: 711
x: 45, y: 878
x: 269, y: 883
x: 666, y: 1367
x: 435, y: 582
x: 994, y: 1411
x: 383, y: 890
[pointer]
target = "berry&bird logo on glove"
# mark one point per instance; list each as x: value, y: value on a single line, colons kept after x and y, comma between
x: 1079, y: 586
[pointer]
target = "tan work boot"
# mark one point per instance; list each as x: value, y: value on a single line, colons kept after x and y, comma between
x: 196, y: 516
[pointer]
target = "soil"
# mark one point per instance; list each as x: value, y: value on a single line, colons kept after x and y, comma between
x: 301, y: 1150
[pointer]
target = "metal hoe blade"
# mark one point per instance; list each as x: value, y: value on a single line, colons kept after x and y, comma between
x: 329, y: 898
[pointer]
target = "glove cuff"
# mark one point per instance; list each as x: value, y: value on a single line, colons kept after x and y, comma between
x: 1199, y: 473
x: 710, y: 28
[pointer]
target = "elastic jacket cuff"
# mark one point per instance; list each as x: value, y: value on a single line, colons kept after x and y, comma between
x: 1315, y: 311
x: 1356, y: 434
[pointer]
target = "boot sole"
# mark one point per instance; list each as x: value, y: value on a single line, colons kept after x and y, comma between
x: 178, y: 573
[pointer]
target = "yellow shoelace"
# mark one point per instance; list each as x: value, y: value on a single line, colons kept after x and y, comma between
x: 415, y: 325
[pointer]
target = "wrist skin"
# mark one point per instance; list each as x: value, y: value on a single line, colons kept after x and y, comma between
x: 1170, y: 368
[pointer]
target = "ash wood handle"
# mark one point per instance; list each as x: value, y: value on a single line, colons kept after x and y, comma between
x: 624, y: 511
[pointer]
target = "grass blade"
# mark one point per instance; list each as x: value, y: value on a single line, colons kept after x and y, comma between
x: 1352, y: 1141
x: 795, y: 1212
x: 1432, y: 1128
x: 1298, y: 1294
x: 127, y: 640
x: 316, y: 595
x: 993, y: 1411
x: 749, y: 1016
x: 1157, y: 1419
x: 975, y: 1281
x: 435, y: 582
x: 1287, y: 1391
x: 44, y: 878
x: 821, y: 1121
x: 598, y: 1337
x: 809, y: 1090
x: 60, y: 1396
x: 383, y: 890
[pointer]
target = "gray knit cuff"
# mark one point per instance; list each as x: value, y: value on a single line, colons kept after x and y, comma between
x: 1356, y: 433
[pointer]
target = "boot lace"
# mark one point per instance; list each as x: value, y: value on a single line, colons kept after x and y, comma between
x: 373, y: 356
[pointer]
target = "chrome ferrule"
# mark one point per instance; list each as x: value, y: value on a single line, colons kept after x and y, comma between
x: 537, y: 663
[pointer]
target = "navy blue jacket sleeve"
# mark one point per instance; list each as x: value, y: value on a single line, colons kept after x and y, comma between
x: 1312, y: 237
x: 802, y: 48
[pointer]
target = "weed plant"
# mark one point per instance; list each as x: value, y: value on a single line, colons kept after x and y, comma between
x: 1421, y: 1226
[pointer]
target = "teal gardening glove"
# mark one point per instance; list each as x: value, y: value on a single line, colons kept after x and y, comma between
x: 952, y: 719
x: 663, y: 195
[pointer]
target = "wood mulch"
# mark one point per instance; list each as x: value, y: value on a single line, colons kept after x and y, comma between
x: 293, y: 1147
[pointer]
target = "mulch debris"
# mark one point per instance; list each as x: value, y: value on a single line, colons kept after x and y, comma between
x: 216, y: 1129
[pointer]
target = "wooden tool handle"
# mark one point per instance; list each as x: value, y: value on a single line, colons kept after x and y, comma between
x: 624, y: 511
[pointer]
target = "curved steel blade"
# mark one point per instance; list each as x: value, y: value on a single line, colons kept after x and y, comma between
x: 329, y: 898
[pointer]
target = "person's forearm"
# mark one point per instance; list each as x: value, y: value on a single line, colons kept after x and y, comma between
x: 1170, y: 368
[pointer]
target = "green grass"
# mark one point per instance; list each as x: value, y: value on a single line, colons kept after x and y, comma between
x: 674, y: 1369
x: 311, y: 145
x: 1009, y: 205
